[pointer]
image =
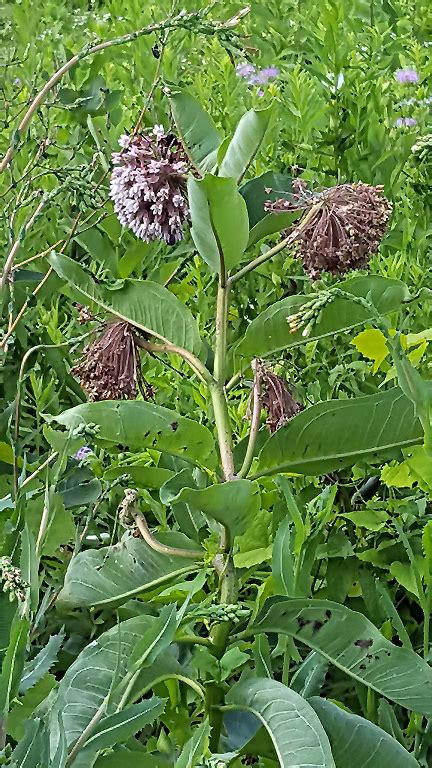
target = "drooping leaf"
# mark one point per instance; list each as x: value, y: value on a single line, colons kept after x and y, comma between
x: 220, y: 227
x: 196, y: 129
x: 269, y: 332
x: 118, y: 728
x: 245, y: 143
x: 335, y: 434
x: 353, y: 644
x: 111, y: 575
x: 195, y: 748
x: 234, y: 504
x: 142, y: 303
x: 89, y: 679
x: 296, y: 732
x: 358, y: 742
x: 309, y: 678
x: 37, y: 668
x: 256, y: 192
x: 139, y: 425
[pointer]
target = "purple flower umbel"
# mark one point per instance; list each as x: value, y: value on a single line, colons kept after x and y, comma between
x: 245, y: 70
x: 407, y: 75
x: 148, y: 186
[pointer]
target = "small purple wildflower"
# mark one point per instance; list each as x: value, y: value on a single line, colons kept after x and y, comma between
x: 82, y: 453
x: 260, y: 93
x: 17, y: 81
x: 245, y: 70
x: 407, y: 75
x: 405, y: 122
x: 270, y: 72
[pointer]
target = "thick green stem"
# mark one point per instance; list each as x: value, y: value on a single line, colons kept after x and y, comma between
x: 221, y: 332
x: 223, y: 429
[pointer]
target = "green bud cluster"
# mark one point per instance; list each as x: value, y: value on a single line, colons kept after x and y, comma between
x: 220, y: 613
x: 12, y: 580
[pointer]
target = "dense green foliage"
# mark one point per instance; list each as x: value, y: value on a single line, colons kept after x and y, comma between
x: 180, y: 587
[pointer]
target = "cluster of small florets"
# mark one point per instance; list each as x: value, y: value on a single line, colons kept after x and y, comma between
x: 342, y: 229
x: 12, y: 580
x: 148, y: 185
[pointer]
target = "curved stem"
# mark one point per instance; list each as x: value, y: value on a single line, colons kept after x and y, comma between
x: 167, y: 347
x: 255, y: 423
x: 164, y: 549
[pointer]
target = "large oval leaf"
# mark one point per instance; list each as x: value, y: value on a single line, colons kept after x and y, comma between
x: 111, y: 575
x: 91, y: 676
x: 353, y: 644
x: 298, y: 737
x: 233, y: 504
x: 245, y: 143
x: 339, y: 433
x: 358, y: 742
x: 220, y: 227
x: 268, y: 186
x: 269, y: 332
x: 139, y: 425
x: 142, y: 303
x: 196, y: 129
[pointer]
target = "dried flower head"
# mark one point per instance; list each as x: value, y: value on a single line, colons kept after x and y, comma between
x: 109, y: 368
x: 148, y: 185
x: 343, y: 226
x: 276, y: 398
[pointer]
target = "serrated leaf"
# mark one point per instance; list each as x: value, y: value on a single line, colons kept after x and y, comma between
x: 142, y: 303
x: 358, y: 742
x: 269, y: 332
x: 196, y: 129
x: 245, y: 143
x: 111, y: 575
x: 220, y: 227
x: 296, y: 732
x: 353, y: 644
x: 317, y: 440
x: 139, y: 425
x: 37, y: 668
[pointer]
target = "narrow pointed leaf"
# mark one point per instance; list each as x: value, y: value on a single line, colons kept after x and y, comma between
x: 142, y: 303
x: 37, y: 668
x: 298, y: 737
x: 139, y: 425
x: 335, y: 434
x: 245, y: 143
x: 111, y: 575
x: 353, y: 644
x: 358, y: 742
x: 269, y: 332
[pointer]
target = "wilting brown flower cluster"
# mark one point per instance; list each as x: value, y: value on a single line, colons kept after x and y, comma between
x: 342, y: 229
x: 109, y: 368
x: 276, y: 399
x: 148, y: 185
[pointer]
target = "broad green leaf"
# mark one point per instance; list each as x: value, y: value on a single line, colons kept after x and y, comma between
x: 353, y: 644
x: 195, y: 748
x: 245, y: 143
x: 283, y: 563
x: 335, y: 434
x: 234, y: 504
x: 196, y: 129
x: 269, y: 332
x: 99, y: 246
x: 268, y: 186
x: 309, y: 678
x: 296, y: 732
x: 122, y: 756
x: 358, y: 742
x: 372, y: 344
x: 142, y: 303
x: 114, y: 574
x: 118, y: 728
x: 139, y: 425
x: 89, y: 679
x: 32, y: 751
x: 219, y: 219
x: 37, y: 668
x: 155, y: 640
x: 262, y: 657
